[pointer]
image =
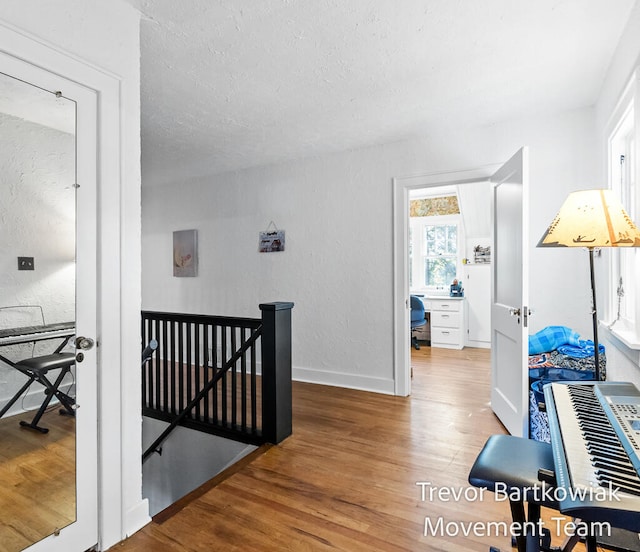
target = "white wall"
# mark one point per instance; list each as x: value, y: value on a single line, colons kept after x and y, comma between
x: 337, y: 212
x: 37, y: 211
x: 475, y: 206
x: 189, y: 459
x: 623, y: 364
x: 336, y: 266
x: 102, y: 40
x: 37, y: 202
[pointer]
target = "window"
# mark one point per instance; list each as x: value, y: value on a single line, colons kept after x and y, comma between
x: 440, y: 254
x: 434, y: 251
x: 622, y: 162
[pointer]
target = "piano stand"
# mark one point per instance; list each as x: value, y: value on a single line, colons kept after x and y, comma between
x: 516, y: 462
x: 36, y: 369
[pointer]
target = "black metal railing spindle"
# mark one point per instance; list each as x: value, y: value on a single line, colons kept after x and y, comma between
x: 180, y: 367
x: 243, y: 382
x: 206, y: 328
x: 189, y: 363
x: 234, y: 382
x: 172, y: 368
x: 165, y: 367
x: 223, y: 387
x: 254, y: 398
x: 214, y: 368
x: 197, y: 363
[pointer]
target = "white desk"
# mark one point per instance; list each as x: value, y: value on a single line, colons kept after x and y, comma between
x: 447, y: 320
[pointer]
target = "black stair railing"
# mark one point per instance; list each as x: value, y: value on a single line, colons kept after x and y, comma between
x: 204, y: 374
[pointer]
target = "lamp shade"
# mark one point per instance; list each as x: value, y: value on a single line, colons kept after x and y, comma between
x: 591, y: 218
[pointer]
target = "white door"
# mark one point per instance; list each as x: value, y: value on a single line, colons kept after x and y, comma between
x: 80, y: 262
x: 509, y: 294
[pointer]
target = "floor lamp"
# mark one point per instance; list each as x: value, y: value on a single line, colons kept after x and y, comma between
x: 592, y: 219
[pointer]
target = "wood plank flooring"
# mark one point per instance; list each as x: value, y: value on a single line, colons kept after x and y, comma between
x: 347, y: 479
x: 37, y: 479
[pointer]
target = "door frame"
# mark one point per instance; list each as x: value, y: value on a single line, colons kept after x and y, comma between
x: 118, y: 287
x: 401, y: 310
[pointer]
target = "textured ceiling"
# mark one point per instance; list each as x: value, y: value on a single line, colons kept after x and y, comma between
x: 230, y: 84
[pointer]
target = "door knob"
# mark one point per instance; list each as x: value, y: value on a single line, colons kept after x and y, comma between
x: 514, y: 312
x: 84, y: 343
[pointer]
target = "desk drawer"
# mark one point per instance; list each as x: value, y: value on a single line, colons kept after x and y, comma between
x: 445, y: 319
x: 444, y: 335
x: 444, y: 305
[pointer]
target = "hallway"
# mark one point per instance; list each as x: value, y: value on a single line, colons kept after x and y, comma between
x: 346, y: 478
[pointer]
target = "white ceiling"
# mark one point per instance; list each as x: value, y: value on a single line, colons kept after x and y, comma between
x: 230, y: 84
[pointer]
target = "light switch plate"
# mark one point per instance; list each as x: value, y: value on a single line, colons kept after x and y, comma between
x: 25, y: 263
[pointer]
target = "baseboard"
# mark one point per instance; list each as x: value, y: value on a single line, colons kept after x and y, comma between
x: 478, y: 344
x: 339, y: 379
x: 32, y: 400
x: 137, y: 517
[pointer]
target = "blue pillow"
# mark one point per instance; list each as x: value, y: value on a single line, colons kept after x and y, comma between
x: 552, y: 337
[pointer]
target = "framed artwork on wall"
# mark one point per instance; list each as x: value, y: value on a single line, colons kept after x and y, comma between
x: 271, y: 242
x: 271, y: 239
x: 185, y: 253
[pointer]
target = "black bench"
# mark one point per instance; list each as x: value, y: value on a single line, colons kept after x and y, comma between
x: 37, y: 369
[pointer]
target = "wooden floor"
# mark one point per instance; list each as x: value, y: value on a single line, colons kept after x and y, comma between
x: 347, y: 479
x: 37, y: 479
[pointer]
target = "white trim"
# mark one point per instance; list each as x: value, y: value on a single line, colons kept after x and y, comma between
x: 400, y: 191
x: 622, y: 104
x: 46, y: 55
x: 443, y: 191
x: 624, y: 331
x: 478, y: 344
x: 632, y: 354
x: 628, y: 337
x: 136, y: 517
x: 340, y: 379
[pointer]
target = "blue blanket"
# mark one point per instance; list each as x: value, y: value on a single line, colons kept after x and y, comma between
x: 585, y: 349
x: 551, y: 338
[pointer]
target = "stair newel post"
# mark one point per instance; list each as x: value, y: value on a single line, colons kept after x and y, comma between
x: 276, y: 371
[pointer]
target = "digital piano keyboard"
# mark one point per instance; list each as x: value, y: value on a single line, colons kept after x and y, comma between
x: 595, y: 435
x: 26, y: 334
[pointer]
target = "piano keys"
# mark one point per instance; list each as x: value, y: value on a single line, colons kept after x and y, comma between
x: 26, y: 334
x: 595, y: 435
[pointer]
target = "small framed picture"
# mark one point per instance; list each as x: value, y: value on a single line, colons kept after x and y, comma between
x: 185, y: 253
x: 270, y: 242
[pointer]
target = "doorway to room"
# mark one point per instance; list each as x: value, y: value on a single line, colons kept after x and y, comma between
x: 509, y: 281
x: 469, y: 186
x: 449, y: 244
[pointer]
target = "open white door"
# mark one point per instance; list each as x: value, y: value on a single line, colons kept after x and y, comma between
x: 81, y: 533
x: 509, y: 294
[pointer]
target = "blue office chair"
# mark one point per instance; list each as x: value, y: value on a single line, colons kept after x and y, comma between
x: 417, y: 319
